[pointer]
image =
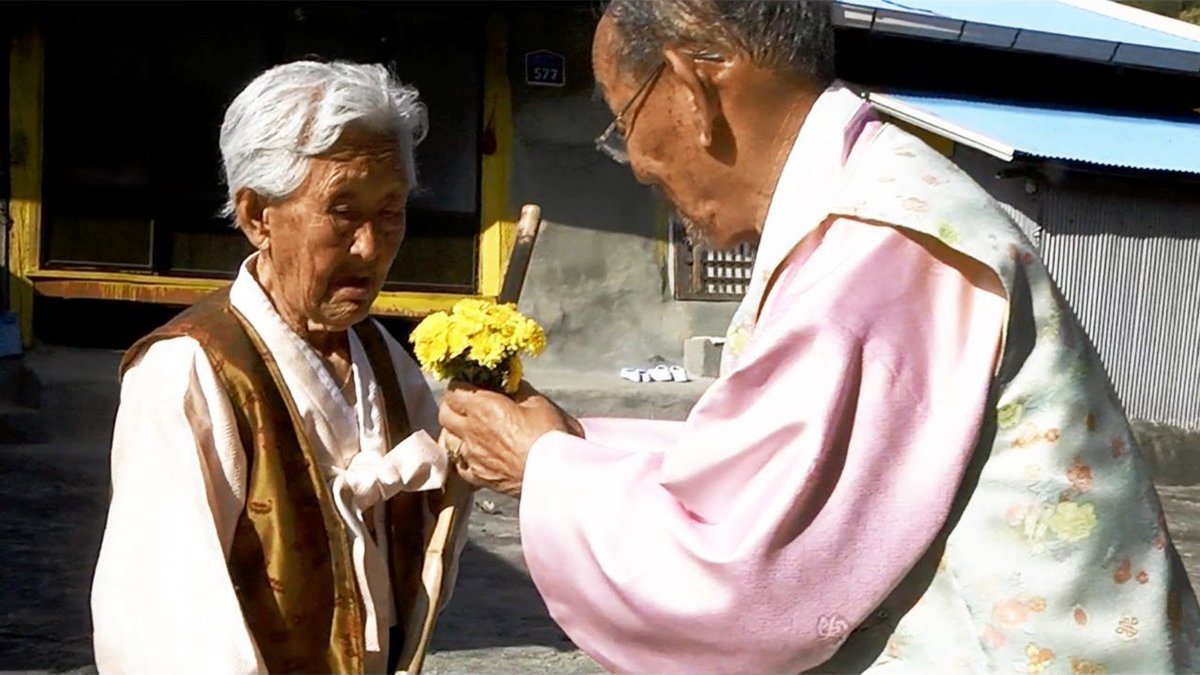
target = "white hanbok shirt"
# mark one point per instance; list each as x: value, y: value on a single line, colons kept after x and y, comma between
x: 162, y: 598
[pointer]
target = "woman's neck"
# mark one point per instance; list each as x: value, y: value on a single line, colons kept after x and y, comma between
x: 327, y: 343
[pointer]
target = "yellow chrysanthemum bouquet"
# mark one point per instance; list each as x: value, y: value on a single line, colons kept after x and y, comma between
x: 478, y: 342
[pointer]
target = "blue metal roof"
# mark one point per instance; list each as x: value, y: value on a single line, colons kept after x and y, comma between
x: 1059, y: 27
x: 1009, y: 130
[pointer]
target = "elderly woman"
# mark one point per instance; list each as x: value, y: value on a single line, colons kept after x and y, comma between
x: 272, y: 444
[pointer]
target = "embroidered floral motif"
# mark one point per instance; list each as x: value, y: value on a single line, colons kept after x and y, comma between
x: 259, y: 508
x: 1080, y: 475
x: 738, y: 338
x: 948, y: 234
x: 993, y: 637
x: 832, y: 627
x: 1027, y: 435
x: 1071, y: 521
x: 1085, y: 667
x: 916, y: 205
x: 1127, y: 627
x: 1068, y: 521
x: 1008, y: 416
x: 1039, y: 658
x: 1011, y: 613
x: 1124, y: 572
x: 1081, y: 616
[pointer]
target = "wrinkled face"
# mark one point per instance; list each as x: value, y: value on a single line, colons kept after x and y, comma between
x: 663, y: 141
x: 332, y: 242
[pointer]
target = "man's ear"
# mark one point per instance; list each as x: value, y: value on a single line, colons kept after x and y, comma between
x: 250, y: 209
x: 698, y: 77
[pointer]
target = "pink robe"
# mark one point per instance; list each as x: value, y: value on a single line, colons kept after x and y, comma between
x: 804, y: 485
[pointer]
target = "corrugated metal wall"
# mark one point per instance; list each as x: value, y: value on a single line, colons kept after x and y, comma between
x: 1126, y: 254
x: 1128, y: 261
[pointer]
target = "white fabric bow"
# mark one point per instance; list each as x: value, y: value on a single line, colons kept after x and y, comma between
x: 416, y: 464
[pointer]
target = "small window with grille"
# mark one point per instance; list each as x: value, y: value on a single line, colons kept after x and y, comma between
x: 702, y: 273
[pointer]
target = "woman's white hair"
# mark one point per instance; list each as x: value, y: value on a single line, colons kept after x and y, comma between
x: 299, y: 110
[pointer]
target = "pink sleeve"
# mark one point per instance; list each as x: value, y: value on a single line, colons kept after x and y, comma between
x: 649, y: 435
x: 803, y: 487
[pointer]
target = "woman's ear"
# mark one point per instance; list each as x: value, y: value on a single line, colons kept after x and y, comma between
x: 251, y: 212
x: 698, y: 76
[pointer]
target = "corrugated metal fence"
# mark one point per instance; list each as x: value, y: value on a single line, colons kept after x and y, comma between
x: 1129, y: 264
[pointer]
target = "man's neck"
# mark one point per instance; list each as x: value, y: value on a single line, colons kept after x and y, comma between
x: 780, y: 104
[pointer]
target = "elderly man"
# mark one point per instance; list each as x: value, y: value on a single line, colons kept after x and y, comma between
x: 272, y: 444
x: 912, y: 461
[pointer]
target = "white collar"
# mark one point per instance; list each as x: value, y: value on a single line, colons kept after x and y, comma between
x: 336, y: 427
x: 811, y: 174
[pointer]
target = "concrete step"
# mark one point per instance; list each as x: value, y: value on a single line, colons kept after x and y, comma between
x: 605, y: 394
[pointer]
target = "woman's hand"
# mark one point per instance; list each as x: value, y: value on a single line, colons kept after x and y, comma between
x: 497, y: 432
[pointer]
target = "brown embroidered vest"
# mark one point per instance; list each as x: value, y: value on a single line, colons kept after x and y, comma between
x: 290, y: 561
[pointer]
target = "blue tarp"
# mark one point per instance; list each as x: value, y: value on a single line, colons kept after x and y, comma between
x: 1095, y: 137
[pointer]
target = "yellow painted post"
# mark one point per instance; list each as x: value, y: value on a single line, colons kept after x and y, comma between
x: 25, y: 144
x: 496, y: 225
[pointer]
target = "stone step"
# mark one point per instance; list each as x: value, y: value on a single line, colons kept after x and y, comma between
x: 605, y: 394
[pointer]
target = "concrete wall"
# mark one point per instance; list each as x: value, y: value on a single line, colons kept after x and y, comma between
x: 598, y: 279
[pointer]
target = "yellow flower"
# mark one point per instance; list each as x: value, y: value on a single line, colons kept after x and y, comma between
x: 1071, y: 521
x: 477, y: 341
x: 487, y: 349
x: 458, y: 339
x: 429, y: 340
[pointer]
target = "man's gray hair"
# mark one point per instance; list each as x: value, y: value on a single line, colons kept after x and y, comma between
x: 783, y: 35
x: 299, y: 110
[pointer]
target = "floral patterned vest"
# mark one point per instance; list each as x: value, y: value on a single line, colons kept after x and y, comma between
x: 1056, y: 557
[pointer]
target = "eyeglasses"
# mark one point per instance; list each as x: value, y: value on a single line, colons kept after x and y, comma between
x: 612, y: 141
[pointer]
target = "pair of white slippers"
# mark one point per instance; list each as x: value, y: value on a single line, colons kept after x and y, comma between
x: 659, y: 373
